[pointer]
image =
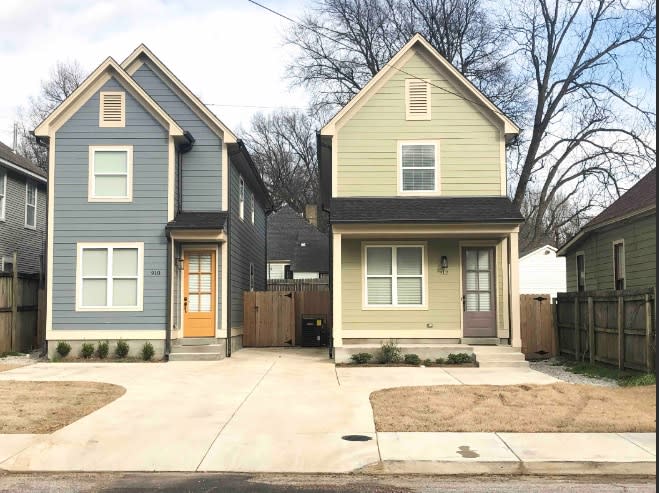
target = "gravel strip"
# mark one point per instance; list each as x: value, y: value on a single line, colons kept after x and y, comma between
x: 562, y: 374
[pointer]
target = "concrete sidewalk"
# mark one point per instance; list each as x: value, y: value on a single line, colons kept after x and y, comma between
x: 282, y: 411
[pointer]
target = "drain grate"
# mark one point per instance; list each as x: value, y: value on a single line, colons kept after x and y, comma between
x: 356, y: 438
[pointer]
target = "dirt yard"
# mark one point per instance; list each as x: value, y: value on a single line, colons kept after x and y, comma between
x: 554, y: 408
x: 44, y: 407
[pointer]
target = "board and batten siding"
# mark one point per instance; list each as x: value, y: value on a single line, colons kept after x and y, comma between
x: 76, y: 220
x: 640, y: 237
x: 14, y: 236
x: 470, y: 144
x: 202, y: 166
x: 247, y: 246
x: 444, y: 295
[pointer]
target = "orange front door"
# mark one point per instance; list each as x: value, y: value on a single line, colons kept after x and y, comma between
x: 199, y: 296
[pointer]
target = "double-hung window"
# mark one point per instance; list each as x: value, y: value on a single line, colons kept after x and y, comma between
x: 30, y: 205
x: 3, y: 193
x: 394, y: 276
x: 110, y: 173
x: 241, y: 197
x: 581, y: 272
x: 619, y: 265
x: 418, y: 167
x: 110, y: 277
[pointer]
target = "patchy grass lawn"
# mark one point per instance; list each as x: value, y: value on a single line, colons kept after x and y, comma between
x: 9, y: 366
x: 625, y: 378
x: 561, y: 407
x: 44, y: 407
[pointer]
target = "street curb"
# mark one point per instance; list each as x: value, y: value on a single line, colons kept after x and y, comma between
x: 539, y: 468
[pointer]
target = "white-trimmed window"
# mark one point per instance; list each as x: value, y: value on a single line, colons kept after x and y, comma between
x: 619, y: 265
x: 418, y: 167
x: 110, y: 277
x: 3, y: 193
x: 112, y: 111
x: 241, y: 197
x: 252, y: 207
x: 581, y: 272
x: 394, y: 276
x: 30, y: 205
x: 110, y: 173
x: 418, y: 99
x: 251, y: 277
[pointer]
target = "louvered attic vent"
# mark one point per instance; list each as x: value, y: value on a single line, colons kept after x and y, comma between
x: 113, y: 109
x: 417, y: 99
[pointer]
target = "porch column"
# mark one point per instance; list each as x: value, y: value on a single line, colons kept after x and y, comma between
x: 515, y: 314
x: 336, y: 290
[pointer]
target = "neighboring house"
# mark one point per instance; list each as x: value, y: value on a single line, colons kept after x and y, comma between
x: 296, y: 248
x: 23, y: 203
x: 617, y: 250
x: 542, y: 272
x: 157, y: 215
x: 424, y: 237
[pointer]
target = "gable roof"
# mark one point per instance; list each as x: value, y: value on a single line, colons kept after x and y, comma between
x: 287, y: 231
x: 538, y: 250
x: 20, y: 164
x: 109, y: 68
x: 639, y: 199
x: 418, y: 41
x: 132, y: 63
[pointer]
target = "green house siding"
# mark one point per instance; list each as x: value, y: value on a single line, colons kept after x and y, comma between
x: 368, y: 143
x: 640, y: 237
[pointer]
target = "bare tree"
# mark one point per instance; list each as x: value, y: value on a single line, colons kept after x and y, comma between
x: 283, y: 146
x: 64, y: 78
x: 592, y: 131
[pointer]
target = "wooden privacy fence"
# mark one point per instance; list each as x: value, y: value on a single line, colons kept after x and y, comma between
x: 613, y: 327
x: 274, y: 318
x: 22, y: 312
x: 537, y: 326
x: 298, y: 285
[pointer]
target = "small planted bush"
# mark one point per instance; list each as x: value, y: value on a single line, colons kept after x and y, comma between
x: 87, y: 350
x: 121, y: 351
x: 390, y: 353
x: 459, y: 358
x: 147, y: 351
x: 63, y: 349
x: 440, y: 361
x: 361, y: 358
x: 103, y: 349
x: 412, y: 359
x: 427, y: 362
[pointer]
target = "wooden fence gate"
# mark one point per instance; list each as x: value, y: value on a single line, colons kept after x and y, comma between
x: 274, y: 318
x: 537, y: 327
x: 22, y: 313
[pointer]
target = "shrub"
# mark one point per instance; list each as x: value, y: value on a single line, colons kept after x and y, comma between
x: 63, y: 349
x: 361, y: 358
x: 427, y: 362
x: 147, y: 351
x: 412, y: 359
x: 122, y: 349
x: 103, y: 349
x: 87, y: 350
x: 390, y: 353
x: 459, y: 358
x: 440, y: 361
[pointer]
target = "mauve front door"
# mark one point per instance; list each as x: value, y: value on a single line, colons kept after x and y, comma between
x: 478, y: 301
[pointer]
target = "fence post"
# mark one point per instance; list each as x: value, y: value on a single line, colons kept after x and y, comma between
x: 649, y: 358
x: 556, y: 346
x: 591, y: 329
x: 577, y: 335
x: 621, y: 332
x: 14, y: 302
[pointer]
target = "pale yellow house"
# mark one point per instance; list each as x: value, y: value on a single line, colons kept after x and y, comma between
x: 424, y: 237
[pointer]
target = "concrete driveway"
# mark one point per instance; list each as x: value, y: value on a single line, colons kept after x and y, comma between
x: 260, y: 411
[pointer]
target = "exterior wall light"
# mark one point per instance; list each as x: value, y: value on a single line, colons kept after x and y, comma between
x: 444, y: 264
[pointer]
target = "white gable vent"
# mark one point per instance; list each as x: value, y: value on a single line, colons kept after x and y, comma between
x: 417, y: 99
x: 113, y: 109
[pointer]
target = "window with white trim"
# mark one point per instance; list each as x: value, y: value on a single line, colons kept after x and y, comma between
x: 581, y: 272
x: 418, y: 98
x: 112, y: 111
x: 241, y: 197
x: 30, y: 205
x: 110, y: 173
x: 394, y: 275
x: 619, y: 265
x: 418, y: 167
x: 110, y: 277
x: 252, y: 207
x: 3, y: 193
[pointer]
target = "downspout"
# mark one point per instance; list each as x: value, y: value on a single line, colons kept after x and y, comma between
x: 228, y: 268
x: 168, y: 331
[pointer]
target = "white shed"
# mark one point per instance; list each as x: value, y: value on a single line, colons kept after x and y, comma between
x: 542, y: 272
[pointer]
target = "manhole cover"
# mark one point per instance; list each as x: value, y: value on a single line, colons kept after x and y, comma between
x: 356, y: 438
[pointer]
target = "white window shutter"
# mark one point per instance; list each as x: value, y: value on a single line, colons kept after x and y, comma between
x: 113, y: 109
x: 418, y: 99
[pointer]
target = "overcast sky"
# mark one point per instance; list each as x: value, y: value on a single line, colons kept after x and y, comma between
x: 228, y: 52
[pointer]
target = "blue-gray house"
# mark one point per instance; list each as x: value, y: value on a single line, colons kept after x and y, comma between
x: 156, y: 216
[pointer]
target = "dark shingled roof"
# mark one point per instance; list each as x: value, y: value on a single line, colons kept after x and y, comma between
x: 7, y: 154
x: 199, y: 220
x: 287, y: 231
x: 425, y: 210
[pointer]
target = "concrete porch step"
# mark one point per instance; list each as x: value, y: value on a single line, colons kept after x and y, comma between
x: 209, y: 348
x: 195, y: 341
x: 503, y: 364
x: 500, y: 357
x: 196, y: 356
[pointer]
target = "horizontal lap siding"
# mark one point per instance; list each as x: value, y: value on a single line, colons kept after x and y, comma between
x: 470, y: 150
x: 143, y: 220
x: 202, y: 166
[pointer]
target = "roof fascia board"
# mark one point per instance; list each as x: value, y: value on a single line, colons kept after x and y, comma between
x: 133, y: 63
x: 537, y: 250
x: 20, y: 169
